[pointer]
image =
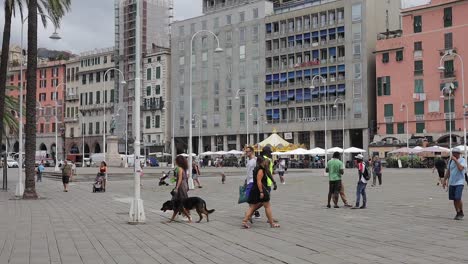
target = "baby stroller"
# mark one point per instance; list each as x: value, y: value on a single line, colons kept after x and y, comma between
x: 98, y: 183
x: 163, y: 181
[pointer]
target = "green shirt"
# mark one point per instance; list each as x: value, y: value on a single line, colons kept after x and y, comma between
x: 269, y: 182
x: 334, y: 169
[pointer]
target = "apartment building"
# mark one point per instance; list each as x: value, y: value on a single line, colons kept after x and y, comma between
x: 412, y: 92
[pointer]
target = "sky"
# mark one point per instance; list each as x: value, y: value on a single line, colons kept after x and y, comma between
x: 89, y: 25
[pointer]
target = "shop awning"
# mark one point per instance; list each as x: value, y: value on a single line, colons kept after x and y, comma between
x: 340, y: 30
x: 291, y: 94
x: 323, y: 33
x: 341, y: 88
x: 284, y: 96
x: 315, y: 92
x: 323, y: 70
x: 315, y: 71
x: 307, y: 36
x: 315, y: 34
x: 331, y: 31
x: 307, y: 95
x: 275, y: 96
x: 298, y: 94
x: 341, y: 68
x: 299, y: 37
x: 332, y: 69
x: 268, y: 97
x: 298, y: 73
x: 276, y: 114
x: 307, y: 73
x: 291, y: 75
x: 332, y: 89
x: 332, y: 51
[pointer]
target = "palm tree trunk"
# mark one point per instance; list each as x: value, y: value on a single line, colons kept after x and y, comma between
x: 4, y: 69
x: 30, y: 127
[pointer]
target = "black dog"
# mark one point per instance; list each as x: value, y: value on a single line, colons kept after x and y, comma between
x: 186, y: 205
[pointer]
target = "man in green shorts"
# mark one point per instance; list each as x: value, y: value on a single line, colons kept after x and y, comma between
x: 335, y: 170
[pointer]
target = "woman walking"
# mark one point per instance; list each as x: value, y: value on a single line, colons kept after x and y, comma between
x: 259, y: 195
x: 180, y: 192
x: 103, y: 173
x: 196, y: 173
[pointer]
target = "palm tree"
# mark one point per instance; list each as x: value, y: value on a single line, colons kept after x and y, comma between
x: 56, y: 9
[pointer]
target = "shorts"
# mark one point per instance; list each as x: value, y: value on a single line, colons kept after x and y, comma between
x: 334, y: 187
x: 194, y: 176
x: 455, y: 192
x: 281, y: 173
x: 441, y: 173
x: 65, y: 179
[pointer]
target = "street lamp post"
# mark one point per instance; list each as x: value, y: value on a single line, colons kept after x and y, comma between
x: 126, y: 134
x: 449, y: 89
x: 104, y: 127
x: 82, y: 139
x: 442, y: 68
x: 173, y: 156
x: 247, y: 107
x: 198, y: 120
x: 217, y: 50
x: 56, y: 125
x: 335, y: 105
x: 324, y: 81
x: 407, y: 122
x: 258, y: 124
x: 20, y: 186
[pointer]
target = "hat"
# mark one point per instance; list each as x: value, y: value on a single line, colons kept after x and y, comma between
x: 456, y: 150
x: 359, y: 156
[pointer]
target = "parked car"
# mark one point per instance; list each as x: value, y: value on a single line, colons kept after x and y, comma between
x: 12, y: 163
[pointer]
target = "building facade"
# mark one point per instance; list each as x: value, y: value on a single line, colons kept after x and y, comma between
x: 320, y: 66
x: 96, y: 94
x: 219, y: 119
x: 156, y: 17
x: 156, y: 104
x: 50, y: 103
x: 409, y: 83
x: 72, y: 115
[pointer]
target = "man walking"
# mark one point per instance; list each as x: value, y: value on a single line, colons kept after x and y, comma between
x: 377, y: 170
x: 456, y: 181
x: 335, y: 170
x: 362, y: 182
x: 66, y: 173
x: 40, y: 170
x: 441, y: 167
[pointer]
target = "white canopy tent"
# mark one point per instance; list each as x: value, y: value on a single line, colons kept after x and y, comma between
x: 275, y: 141
x: 436, y: 149
x: 235, y: 152
x: 335, y: 149
x: 405, y: 150
x: 186, y: 155
x: 316, y: 151
x: 299, y: 151
x: 354, y: 150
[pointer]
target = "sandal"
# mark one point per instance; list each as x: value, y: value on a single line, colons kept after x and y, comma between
x: 245, y: 225
x: 275, y: 225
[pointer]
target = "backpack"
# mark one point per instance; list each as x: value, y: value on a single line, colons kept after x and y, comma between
x: 366, y: 173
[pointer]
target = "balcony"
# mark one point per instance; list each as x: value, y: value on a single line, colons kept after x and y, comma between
x: 447, y: 74
x: 71, y: 97
x: 96, y: 107
x: 419, y: 118
x: 418, y: 54
x: 418, y: 72
x: 70, y: 120
x: 389, y: 119
x: 450, y: 115
x: 419, y: 96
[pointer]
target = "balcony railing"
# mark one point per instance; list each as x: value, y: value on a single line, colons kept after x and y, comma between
x: 389, y: 119
x: 450, y: 115
x: 71, y: 97
x: 419, y: 117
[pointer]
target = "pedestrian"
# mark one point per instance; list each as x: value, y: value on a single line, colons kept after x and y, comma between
x: 103, y: 172
x: 281, y: 168
x: 335, y: 170
x: 66, y: 174
x: 266, y: 153
x: 259, y: 195
x: 180, y: 191
x: 376, y: 171
x: 251, y: 164
x: 440, y: 165
x: 455, y: 176
x: 220, y: 165
x: 362, y: 182
x: 40, y: 170
x: 196, y: 173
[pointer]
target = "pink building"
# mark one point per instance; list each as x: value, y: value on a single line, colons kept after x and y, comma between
x: 49, y: 76
x: 408, y: 78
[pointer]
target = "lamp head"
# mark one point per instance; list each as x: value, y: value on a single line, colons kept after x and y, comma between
x: 335, y: 106
x: 237, y: 97
x: 218, y: 50
x: 312, y: 86
x: 55, y: 36
x: 123, y: 82
x: 441, y: 68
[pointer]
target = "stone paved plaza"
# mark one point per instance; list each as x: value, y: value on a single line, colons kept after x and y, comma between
x: 408, y: 220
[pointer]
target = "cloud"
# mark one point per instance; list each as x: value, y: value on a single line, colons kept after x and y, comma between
x: 89, y: 25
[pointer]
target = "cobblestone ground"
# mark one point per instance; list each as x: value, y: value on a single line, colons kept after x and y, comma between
x: 408, y: 220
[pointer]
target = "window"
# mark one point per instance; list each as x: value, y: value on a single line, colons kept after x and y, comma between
x: 420, y: 127
x: 204, y: 56
x: 216, y: 22
x: 148, y: 74
x: 181, y: 45
x: 242, y: 52
x: 112, y: 95
x: 181, y: 122
x: 228, y: 20
x: 83, y: 79
x: 83, y: 129
x: 228, y: 35
x: 417, y: 24
x: 229, y: 119
x: 158, y: 73
x: 97, y: 128
x: 157, y: 121
x: 357, y: 49
x: 90, y: 98
x: 449, y: 106
x: 419, y: 86
x: 158, y: 89
x: 388, y: 110
x: 357, y: 71
x: 242, y: 102
x: 356, y: 29
x: 216, y: 105
x: 356, y: 12
x: 450, y: 125
x: 242, y: 119
x: 399, y: 55
x: 192, y: 28
x: 357, y: 89
x: 181, y: 30
x: 419, y: 108
x: 448, y: 41
x: 229, y: 104
x: 448, y: 17
x: 148, y: 122
x: 203, y: 23
x: 389, y: 128
x: 449, y: 71
x: 105, y: 59
x: 418, y: 67
x: 98, y: 77
x: 385, y: 57
x: 90, y: 129
x: 182, y: 60
x: 418, y: 45
x: 242, y: 34
x: 255, y: 13
x: 255, y: 32
x: 242, y: 16
x: 98, y: 97
x: 401, y: 128
x: 91, y: 75
x: 148, y: 90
